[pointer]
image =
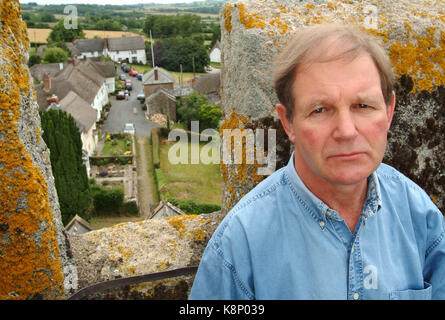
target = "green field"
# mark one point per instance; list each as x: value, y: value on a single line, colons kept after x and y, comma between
x: 197, y: 182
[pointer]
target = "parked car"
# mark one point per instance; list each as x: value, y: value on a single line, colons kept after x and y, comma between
x: 128, y: 81
x: 120, y: 95
x: 129, y: 86
x: 122, y: 76
x: 141, y: 96
x: 133, y: 73
x: 126, y: 68
x: 139, y: 76
x: 129, y: 128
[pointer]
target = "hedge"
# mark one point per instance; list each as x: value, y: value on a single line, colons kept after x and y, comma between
x: 155, y: 147
x: 192, y: 207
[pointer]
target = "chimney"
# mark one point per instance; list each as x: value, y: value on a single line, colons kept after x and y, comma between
x: 46, y: 82
x: 71, y: 61
x: 156, y: 73
x: 74, y: 40
x: 53, y: 99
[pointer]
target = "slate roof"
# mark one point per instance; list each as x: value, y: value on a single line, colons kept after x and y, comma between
x: 77, y: 220
x: 126, y: 43
x: 163, y: 77
x: 166, y: 209
x: 82, y: 112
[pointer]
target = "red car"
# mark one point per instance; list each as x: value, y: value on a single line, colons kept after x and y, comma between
x: 133, y: 73
x: 120, y: 95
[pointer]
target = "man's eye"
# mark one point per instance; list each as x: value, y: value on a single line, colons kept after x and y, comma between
x: 319, y: 110
x: 362, y: 106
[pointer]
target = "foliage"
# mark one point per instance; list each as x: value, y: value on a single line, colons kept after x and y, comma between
x: 197, y: 108
x: 192, y: 207
x: 62, y: 137
x: 107, y: 200
x: 53, y: 55
x: 61, y: 34
x: 188, y: 52
x: 34, y: 58
x: 209, y: 116
x: 164, y: 26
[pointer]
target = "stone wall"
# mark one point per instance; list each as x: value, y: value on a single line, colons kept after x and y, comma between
x: 412, y: 32
x: 35, y: 261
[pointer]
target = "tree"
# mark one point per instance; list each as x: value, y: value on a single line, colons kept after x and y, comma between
x: 190, y: 53
x: 190, y: 109
x: 61, y: 34
x: 209, y: 116
x: 53, y: 55
x: 34, y: 58
x: 62, y: 137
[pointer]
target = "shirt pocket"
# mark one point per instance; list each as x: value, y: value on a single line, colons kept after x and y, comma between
x: 420, y: 294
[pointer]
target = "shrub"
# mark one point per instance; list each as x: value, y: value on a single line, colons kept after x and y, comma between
x: 107, y: 200
x: 192, y: 207
x: 155, y: 147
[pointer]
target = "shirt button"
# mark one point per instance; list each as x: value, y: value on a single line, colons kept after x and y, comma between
x: 322, y: 224
x: 355, y: 296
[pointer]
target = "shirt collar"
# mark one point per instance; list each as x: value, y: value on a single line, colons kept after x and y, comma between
x: 318, y: 209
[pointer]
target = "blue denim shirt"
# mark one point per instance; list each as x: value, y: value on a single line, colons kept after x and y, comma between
x: 281, y: 242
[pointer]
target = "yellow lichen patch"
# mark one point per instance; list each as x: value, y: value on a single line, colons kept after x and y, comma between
x: 178, y: 222
x: 228, y: 18
x: 244, y: 171
x: 199, y: 234
x: 250, y: 20
x: 29, y: 258
x: 423, y: 59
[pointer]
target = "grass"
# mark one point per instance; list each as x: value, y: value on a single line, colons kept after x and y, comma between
x: 197, y: 182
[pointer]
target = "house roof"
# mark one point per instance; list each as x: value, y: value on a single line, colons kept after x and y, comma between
x: 207, y: 83
x: 163, y: 77
x: 87, y: 45
x: 79, y: 220
x: 105, y: 69
x: 82, y: 112
x: 38, y: 70
x: 126, y: 43
x: 160, y: 90
x: 82, y: 79
x: 165, y: 205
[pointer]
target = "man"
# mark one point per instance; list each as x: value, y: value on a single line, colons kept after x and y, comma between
x: 335, y: 223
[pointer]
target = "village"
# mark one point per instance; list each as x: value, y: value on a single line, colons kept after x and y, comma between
x: 110, y: 101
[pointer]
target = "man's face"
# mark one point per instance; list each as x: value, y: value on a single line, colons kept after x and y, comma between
x: 340, y: 121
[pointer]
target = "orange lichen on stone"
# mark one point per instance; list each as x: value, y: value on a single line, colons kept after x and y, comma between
x: 228, y: 18
x: 244, y: 171
x: 30, y: 265
x: 250, y: 20
x: 423, y: 59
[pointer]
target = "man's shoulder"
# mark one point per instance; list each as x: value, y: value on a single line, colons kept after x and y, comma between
x: 262, y: 201
x: 390, y: 175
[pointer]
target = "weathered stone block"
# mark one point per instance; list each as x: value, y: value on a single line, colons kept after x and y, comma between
x: 35, y: 261
x: 412, y: 32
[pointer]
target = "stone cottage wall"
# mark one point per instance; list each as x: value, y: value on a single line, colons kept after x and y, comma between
x: 412, y: 32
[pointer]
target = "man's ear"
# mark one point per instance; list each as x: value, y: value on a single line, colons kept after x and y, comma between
x: 390, y: 109
x: 287, y: 125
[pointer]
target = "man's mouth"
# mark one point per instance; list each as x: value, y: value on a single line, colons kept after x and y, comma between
x: 347, y: 156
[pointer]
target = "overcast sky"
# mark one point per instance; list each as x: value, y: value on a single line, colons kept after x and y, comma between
x: 116, y: 2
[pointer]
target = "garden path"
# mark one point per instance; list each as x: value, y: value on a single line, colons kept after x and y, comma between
x: 145, y: 191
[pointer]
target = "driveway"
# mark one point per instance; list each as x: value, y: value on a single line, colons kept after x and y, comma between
x: 123, y: 111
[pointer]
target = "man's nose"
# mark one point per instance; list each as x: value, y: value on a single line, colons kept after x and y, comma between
x: 345, y: 126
